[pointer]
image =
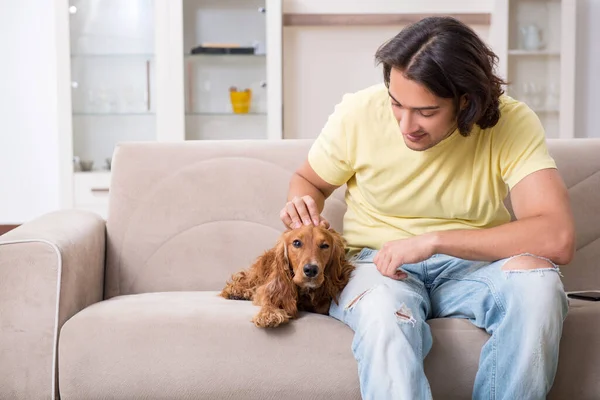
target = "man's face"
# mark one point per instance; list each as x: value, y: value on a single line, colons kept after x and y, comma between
x: 424, y: 119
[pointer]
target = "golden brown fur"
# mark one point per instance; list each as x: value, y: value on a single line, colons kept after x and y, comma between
x: 277, y: 281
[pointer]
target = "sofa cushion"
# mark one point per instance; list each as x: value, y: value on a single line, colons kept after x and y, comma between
x: 192, y: 345
x: 185, y: 345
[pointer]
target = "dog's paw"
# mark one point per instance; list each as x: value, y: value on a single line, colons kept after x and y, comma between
x: 233, y: 293
x: 226, y: 293
x: 270, y: 318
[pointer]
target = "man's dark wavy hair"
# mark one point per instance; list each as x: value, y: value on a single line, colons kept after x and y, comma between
x: 450, y: 60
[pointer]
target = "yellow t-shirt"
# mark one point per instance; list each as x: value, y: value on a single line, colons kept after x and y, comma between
x: 394, y: 192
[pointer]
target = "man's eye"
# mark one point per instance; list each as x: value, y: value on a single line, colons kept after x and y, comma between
x: 324, y: 246
x: 296, y: 243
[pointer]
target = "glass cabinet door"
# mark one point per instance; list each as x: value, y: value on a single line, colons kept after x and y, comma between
x: 225, y: 62
x: 534, y: 58
x: 112, y: 77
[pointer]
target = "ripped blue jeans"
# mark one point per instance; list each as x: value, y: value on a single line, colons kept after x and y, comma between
x: 522, y: 310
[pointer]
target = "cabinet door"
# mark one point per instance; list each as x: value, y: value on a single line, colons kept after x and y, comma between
x: 232, y: 69
x: 112, y: 85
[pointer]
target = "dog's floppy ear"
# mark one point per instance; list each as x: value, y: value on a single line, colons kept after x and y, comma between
x: 338, y: 268
x: 279, y: 289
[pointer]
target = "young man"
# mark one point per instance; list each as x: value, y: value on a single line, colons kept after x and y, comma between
x: 428, y: 158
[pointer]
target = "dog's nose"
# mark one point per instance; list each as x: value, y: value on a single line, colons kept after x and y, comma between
x: 310, y: 270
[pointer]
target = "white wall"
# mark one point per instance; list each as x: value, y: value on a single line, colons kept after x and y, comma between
x: 587, y: 69
x: 320, y: 65
x: 29, y: 177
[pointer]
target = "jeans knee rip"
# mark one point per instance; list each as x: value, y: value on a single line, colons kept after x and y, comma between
x: 405, y: 315
x: 540, y: 271
x: 353, y: 302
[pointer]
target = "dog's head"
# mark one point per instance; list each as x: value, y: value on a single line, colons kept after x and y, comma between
x: 308, y: 260
x: 314, y: 254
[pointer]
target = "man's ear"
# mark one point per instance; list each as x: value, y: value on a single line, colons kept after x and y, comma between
x: 464, y: 101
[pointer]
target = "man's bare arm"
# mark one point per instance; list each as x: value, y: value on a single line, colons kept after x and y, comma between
x: 544, y: 225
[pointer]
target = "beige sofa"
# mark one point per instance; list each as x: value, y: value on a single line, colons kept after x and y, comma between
x: 127, y: 309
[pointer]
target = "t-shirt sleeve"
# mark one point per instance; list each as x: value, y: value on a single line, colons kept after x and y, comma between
x: 329, y: 155
x: 522, y: 145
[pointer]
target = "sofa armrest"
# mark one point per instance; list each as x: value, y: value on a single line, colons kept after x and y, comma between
x: 50, y: 268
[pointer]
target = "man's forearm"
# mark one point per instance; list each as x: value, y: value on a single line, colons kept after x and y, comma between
x: 545, y: 236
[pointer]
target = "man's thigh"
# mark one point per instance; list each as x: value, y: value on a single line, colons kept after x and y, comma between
x: 402, y: 296
x: 472, y: 289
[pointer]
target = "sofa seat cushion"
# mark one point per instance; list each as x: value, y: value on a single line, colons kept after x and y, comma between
x: 190, y: 345
x: 197, y: 345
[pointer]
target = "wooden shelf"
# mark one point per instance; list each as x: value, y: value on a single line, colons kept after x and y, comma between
x: 374, y: 19
x: 542, y: 110
x: 544, y: 53
x: 225, y: 114
x: 256, y: 56
x: 6, y: 228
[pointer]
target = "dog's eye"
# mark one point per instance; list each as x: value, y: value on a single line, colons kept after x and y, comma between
x: 296, y: 243
x: 324, y: 246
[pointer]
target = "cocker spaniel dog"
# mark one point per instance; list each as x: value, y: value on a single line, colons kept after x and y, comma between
x: 305, y: 271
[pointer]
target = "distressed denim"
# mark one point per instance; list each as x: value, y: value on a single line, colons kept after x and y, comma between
x: 522, y: 310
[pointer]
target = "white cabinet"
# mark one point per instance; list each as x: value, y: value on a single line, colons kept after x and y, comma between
x: 146, y: 70
x: 537, y: 55
x: 226, y: 92
x: 204, y: 49
x: 91, y: 191
x: 111, y: 76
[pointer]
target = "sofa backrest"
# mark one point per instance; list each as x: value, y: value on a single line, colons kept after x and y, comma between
x: 578, y: 162
x: 184, y: 216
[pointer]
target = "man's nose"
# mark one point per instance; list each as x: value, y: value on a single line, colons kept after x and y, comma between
x: 408, y: 123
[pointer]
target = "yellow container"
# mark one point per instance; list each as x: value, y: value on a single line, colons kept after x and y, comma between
x: 240, y: 100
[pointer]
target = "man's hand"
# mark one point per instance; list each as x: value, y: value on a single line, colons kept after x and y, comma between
x: 302, y: 211
x: 396, y: 253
